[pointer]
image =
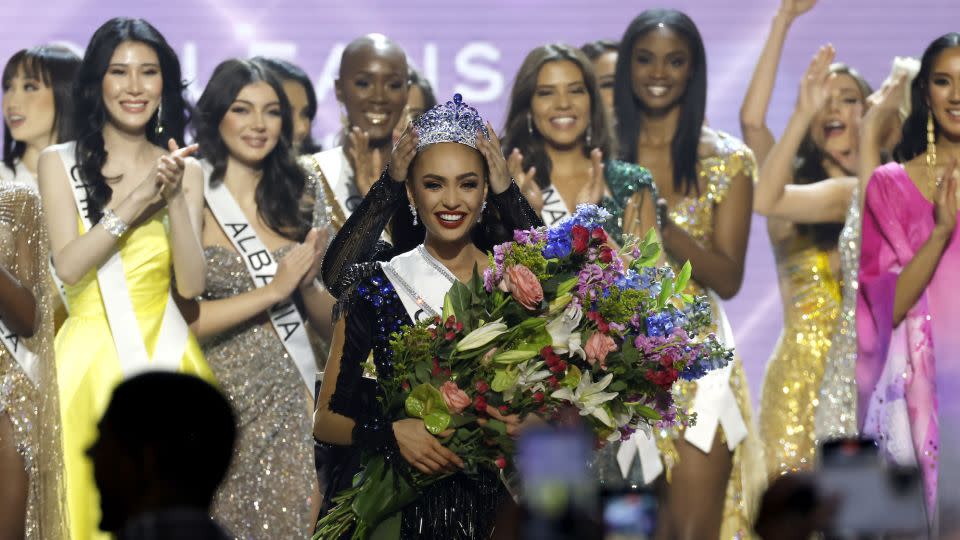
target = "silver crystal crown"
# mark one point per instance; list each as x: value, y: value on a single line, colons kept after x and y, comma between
x: 453, y: 121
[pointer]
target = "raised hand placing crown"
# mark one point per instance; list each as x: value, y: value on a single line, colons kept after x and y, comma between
x: 453, y: 121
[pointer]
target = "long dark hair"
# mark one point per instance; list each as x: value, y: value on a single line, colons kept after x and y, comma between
x: 596, y: 49
x: 55, y: 66
x: 808, y: 167
x: 913, y: 141
x: 280, y: 191
x: 91, y: 113
x: 288, y: 71
x: 629, y: 109
x: 517, y: 133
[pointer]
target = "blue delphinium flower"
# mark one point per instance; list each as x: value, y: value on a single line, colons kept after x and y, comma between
x: 659, y: 324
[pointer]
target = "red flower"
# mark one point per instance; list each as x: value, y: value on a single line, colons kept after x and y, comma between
x: 546, y: 351
x: 599, y: 235
x: 459, y: 326
x: 501, y: 462
x: 480, y: 404
x: 663, y: 378
x: 538, y: 397
x: 606, y: 254
x: 405, y: 385
x: 435, y: 372
x: 553, y: 382
x: 482, y: 386
x: 450, y: 336
x: 503, y: 409
x: 581, y: 238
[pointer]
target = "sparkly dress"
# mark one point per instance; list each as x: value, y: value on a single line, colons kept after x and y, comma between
x: 458, y: 507
x: 791, y: 384
x: 31, y: 406
x: 836, y: 414
x: 267, y: 491
x: 720, y: 403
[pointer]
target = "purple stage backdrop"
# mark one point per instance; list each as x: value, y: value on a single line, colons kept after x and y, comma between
x: 475, y: 48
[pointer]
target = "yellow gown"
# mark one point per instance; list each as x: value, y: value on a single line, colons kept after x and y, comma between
x: 87, y: 362
x: 791, y: 385
x: 695, y: 215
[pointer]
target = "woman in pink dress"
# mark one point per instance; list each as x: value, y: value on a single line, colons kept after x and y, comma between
x: 908, y: 307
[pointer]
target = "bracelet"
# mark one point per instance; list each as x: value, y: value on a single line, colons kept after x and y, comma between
x: 113, y: 224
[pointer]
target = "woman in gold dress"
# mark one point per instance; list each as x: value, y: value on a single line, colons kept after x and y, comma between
x: 31, y: 454
x: 819, y: 146
x: 706, y: 179
x: 122, y: 213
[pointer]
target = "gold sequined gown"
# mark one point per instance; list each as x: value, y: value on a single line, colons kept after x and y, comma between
x: 712, y: 402
x: 266, y: 494
x: 791, y: 385
x: 31, y: 407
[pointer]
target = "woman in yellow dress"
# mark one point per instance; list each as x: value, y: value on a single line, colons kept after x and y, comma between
x: 120, y: 211
x: 805, y: 188
x: 708, y: 474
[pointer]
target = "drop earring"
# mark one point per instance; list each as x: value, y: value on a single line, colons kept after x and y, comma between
x: 530, y: 124
x: 932, y: 180
x: 589, y: 138
x: 482, y: 209
x: 413, y: 210
x: 158, y: 129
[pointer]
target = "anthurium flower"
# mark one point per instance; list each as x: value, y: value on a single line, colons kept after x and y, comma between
x: 589, y: 397
x: 482, y: 336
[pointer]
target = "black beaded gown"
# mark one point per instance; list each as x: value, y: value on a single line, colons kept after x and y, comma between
x: 457, y: 507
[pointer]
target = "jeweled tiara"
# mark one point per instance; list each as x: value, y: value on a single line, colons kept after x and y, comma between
x: 453, y: 121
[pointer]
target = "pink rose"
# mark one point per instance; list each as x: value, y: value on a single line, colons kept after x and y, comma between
x: 524, y: 286
x: 456, y: 399
x: 598, y: 347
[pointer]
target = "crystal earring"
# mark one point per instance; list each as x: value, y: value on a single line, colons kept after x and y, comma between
x: 158, y: 129
x: 589, y: 138
x: 931, y: 151
x: 530, y: 124
x: 413, y: 210
x: 482, y: 209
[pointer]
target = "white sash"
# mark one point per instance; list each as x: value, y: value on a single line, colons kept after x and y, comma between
x: 127, y: 339
x: 420, y: 280
x: 262, y: 267
x: 554, y: 207
x: 28, y: 361
x: 336, y: 169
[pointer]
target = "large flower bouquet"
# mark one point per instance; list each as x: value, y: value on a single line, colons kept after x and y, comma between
x: 560, y: 318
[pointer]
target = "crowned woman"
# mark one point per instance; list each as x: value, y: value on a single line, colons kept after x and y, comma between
x: 446, y: 167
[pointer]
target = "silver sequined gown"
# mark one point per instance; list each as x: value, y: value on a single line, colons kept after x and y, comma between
x: 836, y: 414
x: 266, y: 494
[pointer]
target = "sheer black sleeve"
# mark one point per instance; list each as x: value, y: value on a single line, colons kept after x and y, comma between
x: 358, y: 240
x: 507, y: 212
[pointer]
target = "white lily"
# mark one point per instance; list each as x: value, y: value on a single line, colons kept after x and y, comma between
x: 589, y: 397
x: 483, y: 335
x: 528, y: 374
x: 561, y: 330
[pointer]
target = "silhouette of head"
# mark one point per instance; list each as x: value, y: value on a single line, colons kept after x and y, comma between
x: 165, y: 441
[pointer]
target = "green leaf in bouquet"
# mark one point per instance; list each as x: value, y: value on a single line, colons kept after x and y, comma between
x: 629, y: 353
x: 461, y: 302
x: 504, y: 379
x: 422, y: 372
x: 681, y: 282
x: 496, y: 425
x: 666, y: 290
x: 687, y: 298
x: 558, y: 304
x: 617, y: 386
x: 423, y: 400
x: 647, y: 412
x: 447, y: 307
x: 572, y: 378
x: 437, y: 421
x: 567, y: 285
x: 459, y: 420
x: 514, y: 356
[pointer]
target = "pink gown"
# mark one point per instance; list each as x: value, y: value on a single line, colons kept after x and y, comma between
x: 909, y: 376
